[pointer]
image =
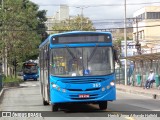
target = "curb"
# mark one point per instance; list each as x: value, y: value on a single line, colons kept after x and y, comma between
x: 2, y: 93
x: 154, y: 96
x: 8, y: 85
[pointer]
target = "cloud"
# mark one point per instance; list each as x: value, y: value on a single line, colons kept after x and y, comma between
x: 98, y: 12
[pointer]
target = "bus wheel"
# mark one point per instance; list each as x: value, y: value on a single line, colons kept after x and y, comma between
x: 103, y: 105
x: 54, y: 107
x: 45, y: 102
x: 24, y: 79
x: 35, y: 79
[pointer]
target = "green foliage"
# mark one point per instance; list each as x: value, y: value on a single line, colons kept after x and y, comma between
x: 21, y: 25
x: 11, y: 79
x: 117, y: 42
x: 76, y: 23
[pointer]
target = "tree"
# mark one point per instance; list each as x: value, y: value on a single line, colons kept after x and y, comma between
x: 21, y: 30
x: 76, y: 23
x: 22, y: 23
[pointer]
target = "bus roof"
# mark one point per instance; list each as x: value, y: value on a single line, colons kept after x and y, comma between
x: 72, y: 32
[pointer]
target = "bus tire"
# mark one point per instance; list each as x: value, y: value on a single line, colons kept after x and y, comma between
x: 54, y: 107
x: 35, y: 79
x: 24, y: 79
x: 103, y: 105
x: 45, y: 102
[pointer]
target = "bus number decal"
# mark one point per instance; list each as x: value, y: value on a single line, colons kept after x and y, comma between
x: 96, y: 85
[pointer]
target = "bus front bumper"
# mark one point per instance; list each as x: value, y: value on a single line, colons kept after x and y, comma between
x: 58, y: 96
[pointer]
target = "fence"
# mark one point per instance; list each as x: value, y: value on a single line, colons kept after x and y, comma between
x: 120, y: 75
x: 131, y: 77
x: 138, y: 75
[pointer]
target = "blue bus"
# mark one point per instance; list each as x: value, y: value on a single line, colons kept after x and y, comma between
x: 30, y: 71
x: 77, y: 67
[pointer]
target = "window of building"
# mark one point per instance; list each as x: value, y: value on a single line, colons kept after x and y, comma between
x: 140, y: 17
x: 153, y: 15
x: 141, y: 35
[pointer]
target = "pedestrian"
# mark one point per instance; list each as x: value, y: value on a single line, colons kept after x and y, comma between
x: 150, y: 80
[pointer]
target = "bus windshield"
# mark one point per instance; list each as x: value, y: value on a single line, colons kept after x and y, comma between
x: 30, y: 69
x: 81, y: 61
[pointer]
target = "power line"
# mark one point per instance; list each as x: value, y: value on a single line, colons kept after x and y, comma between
x: 74, y: 30
x: 100, y: 5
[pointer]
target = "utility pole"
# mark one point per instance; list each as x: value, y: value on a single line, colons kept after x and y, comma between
x: 138, y: 45
x: 82, y: 18
x: 125, y: 39
x: 135, y: 21
x: 82, y: 8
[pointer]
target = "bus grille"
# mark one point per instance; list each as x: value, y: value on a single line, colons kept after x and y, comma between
x: 91, y: 89
x: 82, y: 81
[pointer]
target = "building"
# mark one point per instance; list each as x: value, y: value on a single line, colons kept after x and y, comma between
x: 146, y: 28
x: 61, y: 14
x: 49, y: 23
x: 131, y: 48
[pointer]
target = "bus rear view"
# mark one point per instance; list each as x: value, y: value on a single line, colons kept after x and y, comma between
x: 80, y: 69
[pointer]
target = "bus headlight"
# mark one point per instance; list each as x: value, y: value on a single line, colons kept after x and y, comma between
x: 63, y: 90
x: 108, y: 86
x: 112, y: 83
x: 73, y: 74
x: 58, y: 88
x: 54, y: 85
x: 103, y: 89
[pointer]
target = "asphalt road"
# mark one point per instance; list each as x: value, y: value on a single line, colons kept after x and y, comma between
x: 27, y: 98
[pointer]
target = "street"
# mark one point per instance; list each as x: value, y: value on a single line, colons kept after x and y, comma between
x: 27, y: 98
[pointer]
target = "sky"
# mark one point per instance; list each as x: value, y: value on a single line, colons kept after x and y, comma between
x: 105, y: 14
x: 97, y: 9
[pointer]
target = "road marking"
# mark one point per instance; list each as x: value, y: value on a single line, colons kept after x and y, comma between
x: 23, y: 85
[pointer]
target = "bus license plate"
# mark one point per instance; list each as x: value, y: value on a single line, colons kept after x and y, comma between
x: 83, y: 96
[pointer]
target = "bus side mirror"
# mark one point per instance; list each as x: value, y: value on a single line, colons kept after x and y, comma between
x: 115, y: 55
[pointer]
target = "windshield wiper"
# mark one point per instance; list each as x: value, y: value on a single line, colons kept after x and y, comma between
x: 71, y: 53
x: 92, y: 54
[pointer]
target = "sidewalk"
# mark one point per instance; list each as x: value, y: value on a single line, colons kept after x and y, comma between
x: 152, y: 92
